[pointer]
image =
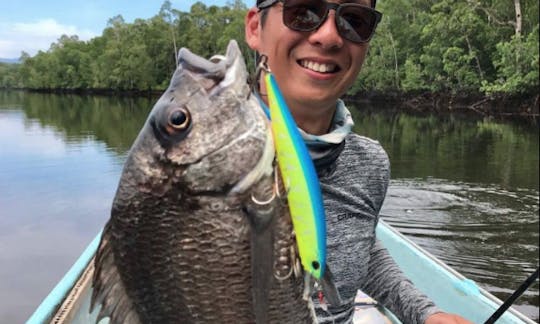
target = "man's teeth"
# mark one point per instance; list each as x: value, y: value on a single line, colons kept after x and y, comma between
x: 318, y: 67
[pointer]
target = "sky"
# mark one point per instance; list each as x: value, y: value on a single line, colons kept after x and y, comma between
x: 32, y: 25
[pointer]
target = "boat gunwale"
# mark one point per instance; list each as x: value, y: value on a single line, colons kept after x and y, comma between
x: 452, y: 272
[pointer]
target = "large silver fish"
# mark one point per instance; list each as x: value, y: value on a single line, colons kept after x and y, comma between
x: 197, y: 233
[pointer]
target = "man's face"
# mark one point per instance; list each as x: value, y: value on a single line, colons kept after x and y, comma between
x: 312, y: 68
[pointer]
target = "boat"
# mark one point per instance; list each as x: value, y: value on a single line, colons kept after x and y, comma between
x: 69, y: 301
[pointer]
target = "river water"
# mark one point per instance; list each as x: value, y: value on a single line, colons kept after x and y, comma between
x: 465, y: 189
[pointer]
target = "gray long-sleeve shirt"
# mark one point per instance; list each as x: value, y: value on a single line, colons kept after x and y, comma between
x: 354, y: 187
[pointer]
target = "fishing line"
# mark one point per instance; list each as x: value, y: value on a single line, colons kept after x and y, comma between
x: 532, y: 278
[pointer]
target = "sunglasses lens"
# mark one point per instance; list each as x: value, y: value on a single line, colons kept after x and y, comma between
x: 303, y: 15
x: 356, y: 23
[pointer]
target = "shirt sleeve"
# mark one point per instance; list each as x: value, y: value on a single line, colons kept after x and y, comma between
x: 386, y: 282
x: 391, y: 288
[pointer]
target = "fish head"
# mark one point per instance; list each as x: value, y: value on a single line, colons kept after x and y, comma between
x: 205, y: 133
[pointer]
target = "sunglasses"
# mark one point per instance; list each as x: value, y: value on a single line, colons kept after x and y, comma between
x: 354, y: 22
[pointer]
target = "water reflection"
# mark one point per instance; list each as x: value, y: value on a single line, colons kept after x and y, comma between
x: 60, y: 159
x: 114, y: 121
x: 454, y: 147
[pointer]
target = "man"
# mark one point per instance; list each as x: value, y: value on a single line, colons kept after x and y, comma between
x: 315, y: 50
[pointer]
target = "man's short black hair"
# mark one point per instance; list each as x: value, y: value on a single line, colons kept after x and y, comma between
x: 373, y: 3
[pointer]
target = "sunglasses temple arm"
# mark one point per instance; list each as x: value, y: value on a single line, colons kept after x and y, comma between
x: 268, y: 3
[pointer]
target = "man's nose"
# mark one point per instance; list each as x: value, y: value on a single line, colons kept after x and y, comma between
x: 327, y: 34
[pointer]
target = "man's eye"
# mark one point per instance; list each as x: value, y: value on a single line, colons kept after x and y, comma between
x: 354, y: 21
x: 309, y: 16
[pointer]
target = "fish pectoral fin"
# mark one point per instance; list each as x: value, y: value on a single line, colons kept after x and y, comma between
x: 329, y: 288
x: 262, y: 260
x: 261, y: 271
x: 108, y: 290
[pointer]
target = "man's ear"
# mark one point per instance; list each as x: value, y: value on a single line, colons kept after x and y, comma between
x: 252, y: 28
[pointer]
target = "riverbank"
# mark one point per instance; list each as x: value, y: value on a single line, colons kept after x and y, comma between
x: 523, y: 107
x: 499, y: 106
x: 95, y: 92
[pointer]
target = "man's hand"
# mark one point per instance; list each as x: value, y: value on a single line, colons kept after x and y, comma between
x: 445, y: 318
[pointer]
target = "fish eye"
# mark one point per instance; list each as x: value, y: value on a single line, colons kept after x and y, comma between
x: 179, y: 119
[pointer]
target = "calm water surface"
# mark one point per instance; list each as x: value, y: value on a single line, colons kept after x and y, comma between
x: 466, y: 190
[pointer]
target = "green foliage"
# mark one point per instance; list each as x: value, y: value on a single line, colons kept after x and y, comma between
x: 517, y: 65
x: 453, y: 45
x: 414, y: 79
x: 381, y: 68
x: 10, y: 75
x: 131, y: 56
x: 420, y: 45
x: 459, y: 66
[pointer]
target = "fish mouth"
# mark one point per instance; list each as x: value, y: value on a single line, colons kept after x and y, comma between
x: 217, y: 73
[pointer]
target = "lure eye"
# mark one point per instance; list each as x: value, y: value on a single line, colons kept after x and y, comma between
x: 315, y: 265
x: 179, y: 119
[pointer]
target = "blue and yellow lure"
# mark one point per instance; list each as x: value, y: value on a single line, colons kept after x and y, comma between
x: 301, y: 182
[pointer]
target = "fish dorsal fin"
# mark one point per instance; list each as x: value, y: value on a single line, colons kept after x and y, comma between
x: 108, y: 289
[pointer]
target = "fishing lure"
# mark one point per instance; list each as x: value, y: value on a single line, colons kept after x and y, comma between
x: 301, y: 182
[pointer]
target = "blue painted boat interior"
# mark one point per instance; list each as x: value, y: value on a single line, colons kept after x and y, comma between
x: 450, y: 291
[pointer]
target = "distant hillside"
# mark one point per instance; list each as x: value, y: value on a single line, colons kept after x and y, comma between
x: 9, y: 60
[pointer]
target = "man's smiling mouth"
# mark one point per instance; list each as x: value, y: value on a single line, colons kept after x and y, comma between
x: 318, y: 67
